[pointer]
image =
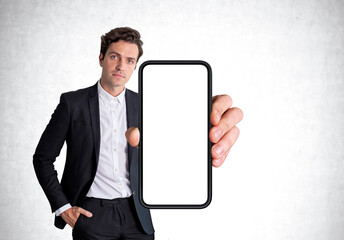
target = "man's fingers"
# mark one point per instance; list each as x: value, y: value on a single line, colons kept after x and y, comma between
x: 220, y: 105
x: 219, y: 151
x: 231, y: 117
x: 133, y: 136
x: 219, y: 161
x: 71, y: 215
x: 84, y: 212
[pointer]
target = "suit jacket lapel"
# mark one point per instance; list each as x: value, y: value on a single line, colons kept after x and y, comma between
x: 132, y: 118
x: 93, y: 103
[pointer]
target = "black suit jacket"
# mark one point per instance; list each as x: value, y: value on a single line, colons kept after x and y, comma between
x: 76, y: 121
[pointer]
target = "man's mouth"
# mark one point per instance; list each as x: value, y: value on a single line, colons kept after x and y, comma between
x: 118, y: 75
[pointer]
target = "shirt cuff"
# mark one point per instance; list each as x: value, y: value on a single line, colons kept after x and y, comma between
x: 62, y: 209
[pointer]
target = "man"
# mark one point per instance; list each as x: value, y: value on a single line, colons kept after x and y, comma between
x: 97, y: 195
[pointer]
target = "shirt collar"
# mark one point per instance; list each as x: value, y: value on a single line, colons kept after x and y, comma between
x: 104, y: 95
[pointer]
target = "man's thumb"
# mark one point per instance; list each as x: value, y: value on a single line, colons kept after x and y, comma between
x: 133, y: 136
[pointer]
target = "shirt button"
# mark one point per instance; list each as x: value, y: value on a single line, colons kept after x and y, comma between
x: 114, y: 149
x: 114, y: 130
x: 116, y: 169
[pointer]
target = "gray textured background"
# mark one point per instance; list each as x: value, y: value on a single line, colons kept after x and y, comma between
x: 281, y: 61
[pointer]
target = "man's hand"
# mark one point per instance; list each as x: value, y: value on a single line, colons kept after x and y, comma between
x: 223, y: 134
x: 71, y: 215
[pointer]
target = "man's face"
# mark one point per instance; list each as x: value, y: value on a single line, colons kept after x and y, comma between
x: 118, y: 64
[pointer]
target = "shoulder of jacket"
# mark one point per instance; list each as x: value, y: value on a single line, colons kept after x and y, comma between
x: 78, y: 94
x: 77, y: 97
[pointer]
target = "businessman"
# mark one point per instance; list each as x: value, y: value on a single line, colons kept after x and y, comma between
x: 97, y: 195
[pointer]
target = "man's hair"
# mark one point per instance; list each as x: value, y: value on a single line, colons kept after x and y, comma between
x: 122, y: 33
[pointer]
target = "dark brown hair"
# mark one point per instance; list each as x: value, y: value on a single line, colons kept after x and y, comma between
x: 122, y: 33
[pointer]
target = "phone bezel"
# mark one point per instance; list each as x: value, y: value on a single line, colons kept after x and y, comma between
x: 209, y: 107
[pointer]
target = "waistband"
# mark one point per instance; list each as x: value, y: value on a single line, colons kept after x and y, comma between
x: 110, y: 202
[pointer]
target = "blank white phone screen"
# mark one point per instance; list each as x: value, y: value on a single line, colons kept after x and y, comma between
x: 174, y: 134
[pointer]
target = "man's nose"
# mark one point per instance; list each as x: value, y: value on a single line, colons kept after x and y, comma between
x: 120, y: 64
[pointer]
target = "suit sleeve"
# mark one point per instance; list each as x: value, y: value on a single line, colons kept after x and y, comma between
x: 48, y: 149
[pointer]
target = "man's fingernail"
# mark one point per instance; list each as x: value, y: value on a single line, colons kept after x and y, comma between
x: 218, y: 150
x: 217, y: 134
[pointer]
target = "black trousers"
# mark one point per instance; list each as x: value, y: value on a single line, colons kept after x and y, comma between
x: 112, y: 219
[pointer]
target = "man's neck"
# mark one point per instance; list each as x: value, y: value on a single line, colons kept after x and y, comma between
x: 113, y: 91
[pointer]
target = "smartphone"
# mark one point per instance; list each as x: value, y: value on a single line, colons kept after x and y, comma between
x: 175, y: 158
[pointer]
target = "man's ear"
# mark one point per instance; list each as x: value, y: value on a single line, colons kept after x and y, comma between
x: 101, y: 58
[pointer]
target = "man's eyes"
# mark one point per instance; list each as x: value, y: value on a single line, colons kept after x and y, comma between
x: 115, y: 57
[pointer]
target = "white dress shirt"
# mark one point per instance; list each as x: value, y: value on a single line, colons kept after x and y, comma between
x: 112, y: 175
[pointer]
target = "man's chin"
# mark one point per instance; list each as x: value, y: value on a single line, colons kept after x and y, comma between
x: 118, y: 80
